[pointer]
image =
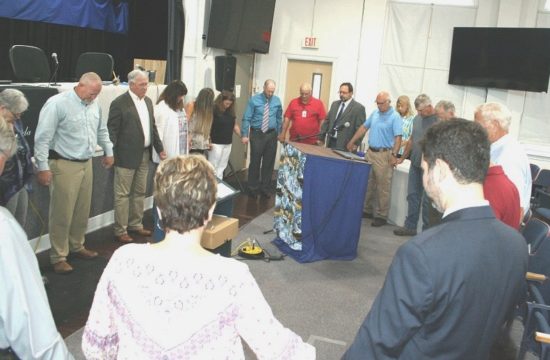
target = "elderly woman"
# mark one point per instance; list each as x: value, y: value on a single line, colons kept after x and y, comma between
x: 174, y: 299
x: 18, y: 169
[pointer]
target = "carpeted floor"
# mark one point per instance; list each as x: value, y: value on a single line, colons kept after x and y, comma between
x: 324, y: 302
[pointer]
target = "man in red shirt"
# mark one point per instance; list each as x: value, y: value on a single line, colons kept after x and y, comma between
x: 305, y: 114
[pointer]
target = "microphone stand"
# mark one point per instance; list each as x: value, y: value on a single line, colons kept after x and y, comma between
x: 54, y: 76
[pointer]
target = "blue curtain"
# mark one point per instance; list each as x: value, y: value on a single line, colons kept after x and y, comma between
x: 106, y: 15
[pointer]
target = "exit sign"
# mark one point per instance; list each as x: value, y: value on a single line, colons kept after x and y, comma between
x: 310, y: 42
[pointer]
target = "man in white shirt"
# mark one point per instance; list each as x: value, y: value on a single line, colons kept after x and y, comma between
x: 133, y: 132
x: 505, y: 150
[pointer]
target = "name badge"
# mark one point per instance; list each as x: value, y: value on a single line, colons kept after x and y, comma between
x: 304, y: 113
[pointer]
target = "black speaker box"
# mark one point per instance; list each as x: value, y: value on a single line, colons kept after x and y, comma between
x: 225, y: 72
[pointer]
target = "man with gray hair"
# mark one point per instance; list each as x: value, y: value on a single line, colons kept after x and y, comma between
x: 18, y: 170
x: 416, y: 195
x: 445, y: 110
x: 69, y: 129
x: 505, y: 150
x: 133, y: 133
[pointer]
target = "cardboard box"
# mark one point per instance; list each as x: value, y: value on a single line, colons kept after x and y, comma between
x: 218, y: 231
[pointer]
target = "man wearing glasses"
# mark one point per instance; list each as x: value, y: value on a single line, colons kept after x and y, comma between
x: 344, y: 118
x: 385, y: 129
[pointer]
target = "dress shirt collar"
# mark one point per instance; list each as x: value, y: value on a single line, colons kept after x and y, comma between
x: 135, y: 97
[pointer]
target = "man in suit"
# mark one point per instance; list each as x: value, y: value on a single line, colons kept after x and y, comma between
x: 448, y: 294
x: 344, y: 118
x: 133, y: 133
x: 385, y: 127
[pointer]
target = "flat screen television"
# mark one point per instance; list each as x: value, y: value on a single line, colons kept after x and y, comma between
x: 504, y: 58
x: 240, y: 26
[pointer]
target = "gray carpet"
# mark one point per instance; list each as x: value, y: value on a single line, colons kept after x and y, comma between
x: 325, y: 301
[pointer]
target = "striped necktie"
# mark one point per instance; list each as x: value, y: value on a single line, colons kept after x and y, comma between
x: 265, y: 119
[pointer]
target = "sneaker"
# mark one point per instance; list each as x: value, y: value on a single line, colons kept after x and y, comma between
x: 379, y: 222
x: 403, y: 231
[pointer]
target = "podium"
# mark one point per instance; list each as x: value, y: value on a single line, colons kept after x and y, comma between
x: 319, y: 203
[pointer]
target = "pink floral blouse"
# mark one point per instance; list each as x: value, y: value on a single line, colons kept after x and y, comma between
x: 150, y: 305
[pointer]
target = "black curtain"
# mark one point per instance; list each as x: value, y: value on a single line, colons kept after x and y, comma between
x: 147, y: 38
x: 67, y: 41
x: 176, y: 34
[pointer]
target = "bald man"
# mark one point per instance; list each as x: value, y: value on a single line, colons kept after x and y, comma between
x: 303, y: 116
x: 69, y: 129
x: 385, y: 129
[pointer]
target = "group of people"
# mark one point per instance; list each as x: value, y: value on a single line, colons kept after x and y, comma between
x: 447, y: 293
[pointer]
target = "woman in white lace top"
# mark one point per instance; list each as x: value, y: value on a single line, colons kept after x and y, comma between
x: 175, y: 300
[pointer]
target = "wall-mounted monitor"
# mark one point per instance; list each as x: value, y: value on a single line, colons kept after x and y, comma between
x: 505, y: 58
x: 240, y: 26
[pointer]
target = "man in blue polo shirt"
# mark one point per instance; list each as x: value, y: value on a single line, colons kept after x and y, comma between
x: 262, y: 122
x: 386, y: 127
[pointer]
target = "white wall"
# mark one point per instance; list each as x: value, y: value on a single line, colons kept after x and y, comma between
x: 350, y: 34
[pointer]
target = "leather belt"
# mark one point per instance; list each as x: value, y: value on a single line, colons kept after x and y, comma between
x: 373, y: 149
x: 54, y: 155
x: 260, y: 130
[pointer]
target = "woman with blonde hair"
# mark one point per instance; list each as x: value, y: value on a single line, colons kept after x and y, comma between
x: 176, y: 300
x: 201, y: 113
x: 404, y: 108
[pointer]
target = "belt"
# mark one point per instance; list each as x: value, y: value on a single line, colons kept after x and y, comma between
x: 54, y: 155
x: 373, y: 149
x: 260, y: 130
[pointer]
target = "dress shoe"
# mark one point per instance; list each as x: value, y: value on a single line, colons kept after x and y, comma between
x: 62, y: 267
x: 379, y: 222
x: 124, y: 238
x: 367, y: 215
x: 141, y: 232
x: 403, y: 231
x: 85, y: 254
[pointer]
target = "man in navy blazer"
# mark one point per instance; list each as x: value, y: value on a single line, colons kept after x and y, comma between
x: 450, y: 290
x: 133, y: 133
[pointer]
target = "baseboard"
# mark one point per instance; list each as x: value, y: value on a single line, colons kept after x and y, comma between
x: 42, y: 243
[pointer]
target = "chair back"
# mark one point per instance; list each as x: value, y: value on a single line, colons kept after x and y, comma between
x: 29, y: 63
x: 543, y: 179
x: 100, y: 63
x: 535, y: 169
x: 535, y: 232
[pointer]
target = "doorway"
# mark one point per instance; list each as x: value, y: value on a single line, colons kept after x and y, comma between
x: 317, y: 73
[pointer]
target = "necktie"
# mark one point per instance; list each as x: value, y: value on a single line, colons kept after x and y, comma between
x: 265, y: 119
x: 340, y: 111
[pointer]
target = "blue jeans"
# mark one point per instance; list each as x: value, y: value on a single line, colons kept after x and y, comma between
x: 415, y: 197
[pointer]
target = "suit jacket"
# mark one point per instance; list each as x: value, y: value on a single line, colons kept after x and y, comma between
x: 354, y: 113
x: 448, y: 291
x: 126, y: 132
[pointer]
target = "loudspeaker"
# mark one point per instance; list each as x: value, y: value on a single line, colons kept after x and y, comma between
x: 225, y: 72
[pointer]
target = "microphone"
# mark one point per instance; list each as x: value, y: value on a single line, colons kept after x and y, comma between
x: 341, y: 126
x: 54, y: 57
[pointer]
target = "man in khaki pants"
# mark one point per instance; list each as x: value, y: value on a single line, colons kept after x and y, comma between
x: 385, y: 128
x: 133, y: 132
x: 69, y: 129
